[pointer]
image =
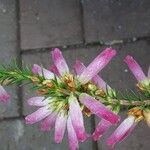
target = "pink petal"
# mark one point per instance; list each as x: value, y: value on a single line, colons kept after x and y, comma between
x: 98, y: 108
x: 38, y: 115
x: 135, y: 68
x: 59, y: 61
x: 97, y: 65
x: 36, y: 69
x: 60, y: 127
x: 73, y: 140
x: 125, y: 128
x: 79, y: 67
x: 54, y: 69
x: 49, y: 122
x: 38, y: 101
x: 4, y: 97
x: 149, y: 71
x: 100, y: 83
x: 77, y: 118
x: 101, y: 128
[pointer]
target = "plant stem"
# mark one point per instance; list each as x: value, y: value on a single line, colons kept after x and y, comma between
x: 16, y: 76
x: 125, y: 102
x: 133, y: 103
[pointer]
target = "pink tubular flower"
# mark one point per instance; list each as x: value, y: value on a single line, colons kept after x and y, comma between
x: 77, y: 118
x: 78, y: 67
x: 125, y: 129
x: 38, y: 115
x: 36, y: 69
x: 54, y: 69
x: 60, y: 62
x: 48, y: 123
x: 101, y: 128
x: 135, y: 68
x: 98, y: 64
x: 38, y: 101
x: 98, y: 108
x: 73, y: 140
x: 97, y: 80
x: 60, y: 127
x: 4, y: 97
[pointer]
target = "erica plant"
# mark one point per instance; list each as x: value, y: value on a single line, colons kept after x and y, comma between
x: 63, y: 98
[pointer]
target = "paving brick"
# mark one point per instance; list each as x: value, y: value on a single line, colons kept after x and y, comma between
x: 8, y: 50
x: 50, y: 23
x: 107, y: 20
x: 15, y: 135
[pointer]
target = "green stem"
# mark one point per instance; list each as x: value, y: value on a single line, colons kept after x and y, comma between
x: 125, y: 102
x: 17, y: 76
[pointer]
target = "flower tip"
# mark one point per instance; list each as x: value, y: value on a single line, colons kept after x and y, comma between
x: 4, y: 98
x: 59, y: 61
x: 128, y: 59
x: 28, y: 120
x: 95, y: 137
x: 29, y: 102
x: 56, y: 50
x: 135, y: 68
x: 58, y: 140
x: 35, y: 68
x: 78, y: 66
x: 73, y: 147
x: 108, y: 53
x: 56, y: 53
x: 111, y: 52
x: 110, y: 145
x: 82, y: 138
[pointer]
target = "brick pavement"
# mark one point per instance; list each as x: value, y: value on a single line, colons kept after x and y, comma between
x: 82, y: 28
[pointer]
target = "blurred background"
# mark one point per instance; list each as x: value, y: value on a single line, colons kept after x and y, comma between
x: 29, y: 29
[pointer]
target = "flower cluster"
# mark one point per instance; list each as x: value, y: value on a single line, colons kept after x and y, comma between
x: 64, y: 98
